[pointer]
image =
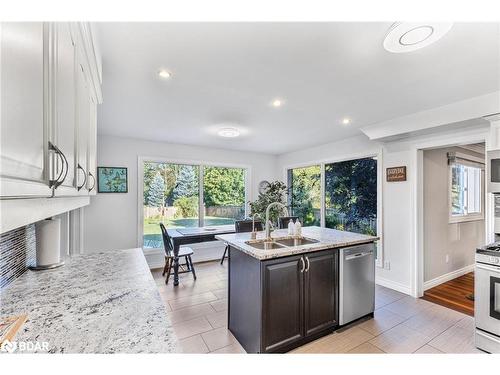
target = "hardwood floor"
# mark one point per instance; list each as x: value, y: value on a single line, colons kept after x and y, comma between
x: 402, y: 324
x: 453, y: 294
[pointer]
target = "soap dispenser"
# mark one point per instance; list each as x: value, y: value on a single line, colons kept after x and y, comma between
x: 298, y: 228
x: 291, y: 228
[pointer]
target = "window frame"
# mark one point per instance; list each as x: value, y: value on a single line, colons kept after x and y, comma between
x: 201, y: 164
x: 453, y: 219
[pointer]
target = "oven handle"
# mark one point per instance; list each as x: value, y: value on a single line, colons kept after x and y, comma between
x: 488, y: 268
x: 489, y: 337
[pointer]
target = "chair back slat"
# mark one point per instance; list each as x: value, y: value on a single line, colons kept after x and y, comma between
x: 241, y: 226
x: 167, y: 241
x: 283, y: 221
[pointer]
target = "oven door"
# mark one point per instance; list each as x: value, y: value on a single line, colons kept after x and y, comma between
x: 487, y: 302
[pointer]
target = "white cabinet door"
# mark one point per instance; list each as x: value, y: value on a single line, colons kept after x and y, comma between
x: 83, y: 128
x: 24, y: 119
x: 92, y: 148
x: 64, y: 134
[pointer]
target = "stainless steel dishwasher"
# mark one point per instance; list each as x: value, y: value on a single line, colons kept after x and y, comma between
x: 356, y: 282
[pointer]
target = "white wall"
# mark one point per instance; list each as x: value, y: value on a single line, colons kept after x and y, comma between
x: 458, y: 241
x: 111, y: 220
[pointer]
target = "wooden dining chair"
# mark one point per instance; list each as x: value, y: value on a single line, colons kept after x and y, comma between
x: 283, y: 221
x: 184, y: 251
x: 241, y: 226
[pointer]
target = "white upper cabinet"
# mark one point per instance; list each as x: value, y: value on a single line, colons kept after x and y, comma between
x: 50, y: 88
x: 24, y: 116
x: 64, y: 135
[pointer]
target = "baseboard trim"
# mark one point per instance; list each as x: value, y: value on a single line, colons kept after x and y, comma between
x: 393, y: 285
x: 448, y: 276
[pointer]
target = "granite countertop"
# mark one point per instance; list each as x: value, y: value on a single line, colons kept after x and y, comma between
x: 105, y: 302
x: 328, y: 238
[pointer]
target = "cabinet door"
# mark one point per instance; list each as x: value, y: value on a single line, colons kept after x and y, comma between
x: 24, y: 117
x: 65, y: 125
x: 282, y: 302
x: 92, y: 148
x: 321, y: 280
x: 83, y: 128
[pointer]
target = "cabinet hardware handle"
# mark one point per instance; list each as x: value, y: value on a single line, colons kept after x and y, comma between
x: 308, y: 264
x: 84, y: 175
x: 303, y: 265
x: 93, y: 181
x: 64, y: 171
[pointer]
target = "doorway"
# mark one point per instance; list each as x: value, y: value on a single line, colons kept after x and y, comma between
x: 453, y: 223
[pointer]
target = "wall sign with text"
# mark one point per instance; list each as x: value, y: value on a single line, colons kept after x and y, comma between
x: 396, y: 174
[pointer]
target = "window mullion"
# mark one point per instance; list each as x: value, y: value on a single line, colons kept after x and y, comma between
x: 201, y: 203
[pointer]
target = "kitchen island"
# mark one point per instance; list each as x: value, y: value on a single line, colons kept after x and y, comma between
x: 286, y: 295
x: 103, y: 302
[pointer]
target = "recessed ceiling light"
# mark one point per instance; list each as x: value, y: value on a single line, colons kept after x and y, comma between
x: 346, y: 121
x: 229, y: 132
x: 410, y: 36
x: 164, y: 74
x: 277, y: 103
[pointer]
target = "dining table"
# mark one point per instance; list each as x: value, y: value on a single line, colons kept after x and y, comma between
x: 186, y: 236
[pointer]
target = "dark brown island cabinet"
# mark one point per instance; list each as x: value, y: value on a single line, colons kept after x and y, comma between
x: 279, y: 304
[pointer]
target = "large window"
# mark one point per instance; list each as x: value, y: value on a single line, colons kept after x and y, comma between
x: 466, y: 190
x: 351, y: 196
x: 305, y: 194
x: 223, y: 194
x: 183, y: 196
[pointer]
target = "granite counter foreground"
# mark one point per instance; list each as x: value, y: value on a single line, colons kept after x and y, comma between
x: 104, y: 302
x: 328, y: 238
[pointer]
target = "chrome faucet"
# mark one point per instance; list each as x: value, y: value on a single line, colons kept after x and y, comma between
x: 268, y: 230
x: 253, y: 221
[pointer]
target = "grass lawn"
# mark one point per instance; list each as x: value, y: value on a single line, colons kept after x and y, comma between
x: 152, y: 231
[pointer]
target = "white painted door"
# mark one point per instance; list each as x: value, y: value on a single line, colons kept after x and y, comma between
x: 24, y: 119
x: 83, y: 120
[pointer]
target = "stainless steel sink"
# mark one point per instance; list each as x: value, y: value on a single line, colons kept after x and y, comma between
x: 264, y: 245
x: 279, y: 243
x: 296, y: 241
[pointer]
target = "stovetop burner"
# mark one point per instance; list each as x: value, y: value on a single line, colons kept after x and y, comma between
x: 490, y: 249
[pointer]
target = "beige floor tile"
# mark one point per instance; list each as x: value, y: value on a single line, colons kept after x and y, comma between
x: 217, y: 319
x: 195, y: 299
x: 191, y: 327
x: 427, y: 349
x: 220, y: 305
x: 230, y: 349
x: 382, y: 321
x: 366, y: 348
x: 218, y: 338
x: 190, y: 312
x: 338, y: 342
x: 193, y: 344
x: 400, y: 339
x: 457, y: 339
x: 433, y: 321
x: 220, y: 293
x: 408, y: 306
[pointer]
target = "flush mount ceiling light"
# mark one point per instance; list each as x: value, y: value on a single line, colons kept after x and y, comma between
x: 228, y: 132
x: 165, y: 74
x: 346, y: 121
x: 276, y: 103
x: 410, y: 36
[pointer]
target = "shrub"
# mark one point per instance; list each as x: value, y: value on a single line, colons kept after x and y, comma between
x: 186, y: 207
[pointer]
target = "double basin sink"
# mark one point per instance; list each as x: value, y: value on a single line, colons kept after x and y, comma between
x: 279, y: 243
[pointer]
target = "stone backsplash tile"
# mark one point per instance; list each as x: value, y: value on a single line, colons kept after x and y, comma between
x: 17, y: 252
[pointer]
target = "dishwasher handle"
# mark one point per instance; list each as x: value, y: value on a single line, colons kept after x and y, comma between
x: 358, y: 255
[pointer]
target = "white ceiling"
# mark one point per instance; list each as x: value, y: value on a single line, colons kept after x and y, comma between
x: 230, y: 72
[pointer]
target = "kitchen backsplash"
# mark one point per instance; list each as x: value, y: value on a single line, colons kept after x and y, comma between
x: 17, y: 252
